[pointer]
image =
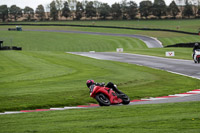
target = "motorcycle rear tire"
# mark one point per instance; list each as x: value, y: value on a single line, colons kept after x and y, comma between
x: 102, y: 99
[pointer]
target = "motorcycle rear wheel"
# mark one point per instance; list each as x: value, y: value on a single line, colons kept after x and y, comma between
x: 125, y: 100
x: 124, y: 97
x: 102, y: 99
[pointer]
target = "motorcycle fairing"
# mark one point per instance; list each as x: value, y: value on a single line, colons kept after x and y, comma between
x: 108, y: 92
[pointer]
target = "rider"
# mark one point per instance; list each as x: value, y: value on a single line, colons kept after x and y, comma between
x: 196, y: 46
x: 91, y: 84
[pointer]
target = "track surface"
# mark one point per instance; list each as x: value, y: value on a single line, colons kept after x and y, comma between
x: 171, y: 100
x: 182, y: 67
x: 149, y: 41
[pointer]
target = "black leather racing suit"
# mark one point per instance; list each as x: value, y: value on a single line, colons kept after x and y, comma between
x: 109, y: 85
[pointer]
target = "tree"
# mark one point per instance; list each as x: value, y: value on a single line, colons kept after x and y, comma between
x: 84, y: 3
x: 145, y: 8
x: 132, y: 9
x: 3, y: 12
x: 90, y: 11
x: 159, y: 8
x: 188, y: 10
x: 40, y: 12
x: 173, y: 9
x: 116, y: 10
x: 15, y: 11
x: 97, y: 5
x: 59, y: 4
x: 198, y: 12
x: 79, y: 10
x: 124, y: 8
x: 104, y: 10
x: 72, y: 4
x: 66, y: 10
x: 29, y: 12
x: 53, y: 11
x: 195, y: 4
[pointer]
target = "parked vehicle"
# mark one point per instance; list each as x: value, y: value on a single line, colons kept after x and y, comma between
x: 196, y: 56
x: 18, y: 28
x: 106, y: 96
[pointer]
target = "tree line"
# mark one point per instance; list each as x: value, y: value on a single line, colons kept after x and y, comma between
x: 76, y: 10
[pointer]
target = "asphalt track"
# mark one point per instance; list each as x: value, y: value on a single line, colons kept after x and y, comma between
x: 195, y: 97
x: 149, y: 41
x: 182, y: 67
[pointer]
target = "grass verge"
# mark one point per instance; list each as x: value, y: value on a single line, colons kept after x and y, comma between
x: 165, y: 118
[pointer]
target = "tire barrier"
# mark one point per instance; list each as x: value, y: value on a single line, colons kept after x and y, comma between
x: 9, y: 47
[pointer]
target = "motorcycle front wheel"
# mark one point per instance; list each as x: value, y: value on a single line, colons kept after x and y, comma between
x: 102, y: 99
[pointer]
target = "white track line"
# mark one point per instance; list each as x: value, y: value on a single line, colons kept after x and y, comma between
x: 13, y: 112
x: 181, y: 95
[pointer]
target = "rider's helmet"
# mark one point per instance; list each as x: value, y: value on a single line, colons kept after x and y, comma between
x: 196, y: 44
x: 89, y: 82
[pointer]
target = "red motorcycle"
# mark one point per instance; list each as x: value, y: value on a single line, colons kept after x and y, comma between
x: 106, y: 96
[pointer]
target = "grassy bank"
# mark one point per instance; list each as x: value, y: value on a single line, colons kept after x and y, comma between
x: 54, y: 41
x: 189, y: 25
x: 165, y: 118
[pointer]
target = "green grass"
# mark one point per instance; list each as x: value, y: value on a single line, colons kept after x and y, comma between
x: 44, y: 76
x: 167, y: 38
x: 165, y: 118
x: 189, y: 25
x: 51, y: 41
x: 38, y: 79
x: 65, y: 42
x: 181, y: 39
x: 180, y: 53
